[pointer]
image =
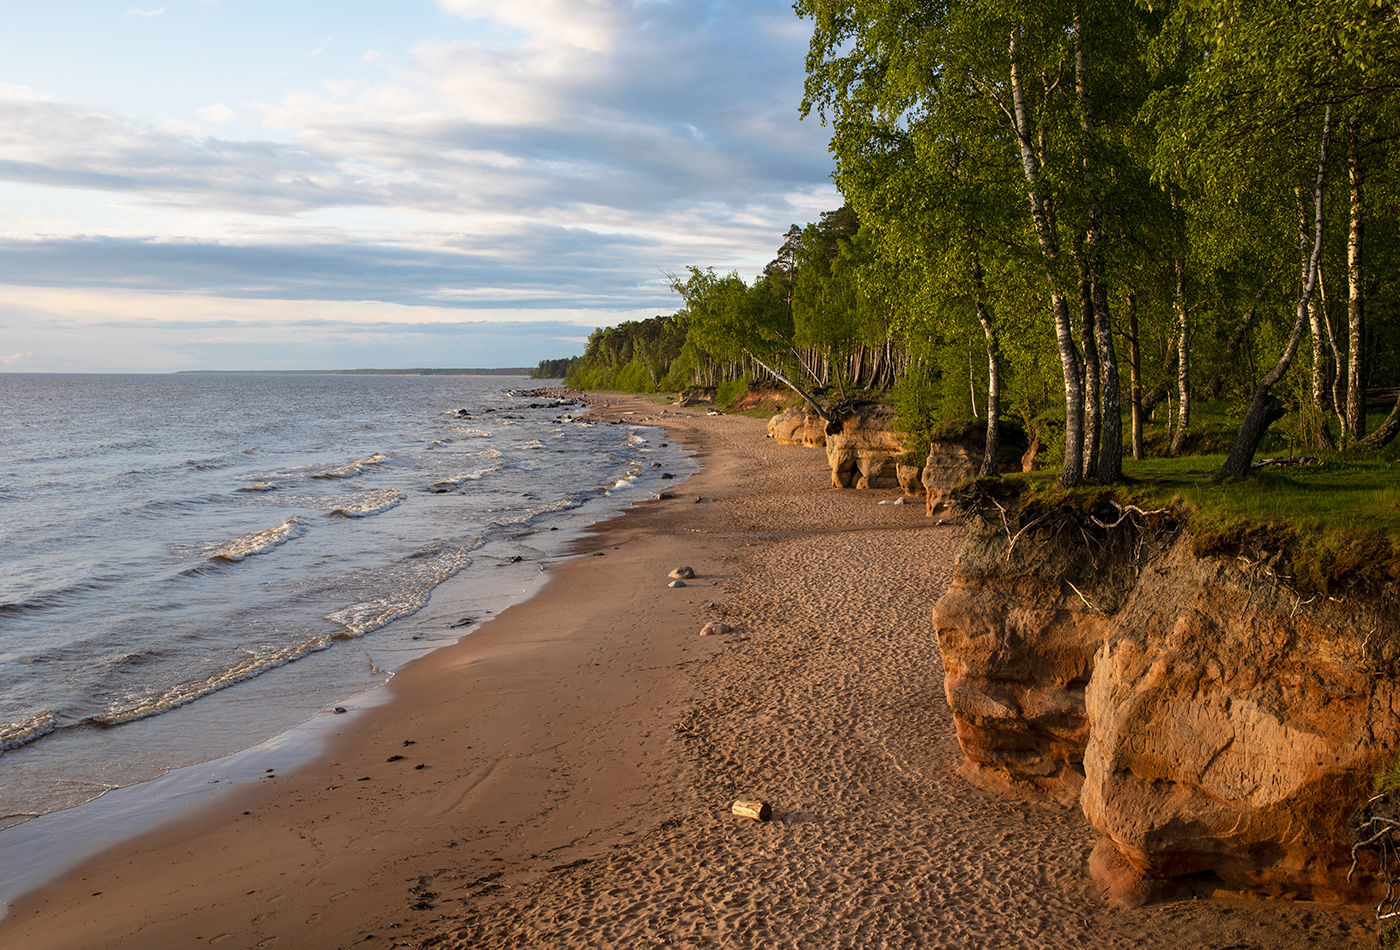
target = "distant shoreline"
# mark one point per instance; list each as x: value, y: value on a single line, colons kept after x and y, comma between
x: 508, y: 371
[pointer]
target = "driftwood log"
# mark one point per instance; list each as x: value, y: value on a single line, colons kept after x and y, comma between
x: 758, y: 811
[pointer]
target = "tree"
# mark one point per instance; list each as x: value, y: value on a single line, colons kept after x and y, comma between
x: 1007, y: 81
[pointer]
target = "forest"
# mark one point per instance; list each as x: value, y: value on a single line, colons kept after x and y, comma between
x: 1080, y: 216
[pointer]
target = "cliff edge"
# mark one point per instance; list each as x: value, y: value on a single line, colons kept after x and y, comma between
x: 1217, y: 728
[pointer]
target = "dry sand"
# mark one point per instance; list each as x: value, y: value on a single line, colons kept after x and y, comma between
x: 563, y: 777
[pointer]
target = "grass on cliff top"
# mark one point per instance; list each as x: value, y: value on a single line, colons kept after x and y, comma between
x: 1338, y: 521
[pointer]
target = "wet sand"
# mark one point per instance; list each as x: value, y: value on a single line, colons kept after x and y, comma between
x: 563, y: 776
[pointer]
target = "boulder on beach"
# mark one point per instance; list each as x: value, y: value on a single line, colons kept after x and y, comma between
x: 682, y: 573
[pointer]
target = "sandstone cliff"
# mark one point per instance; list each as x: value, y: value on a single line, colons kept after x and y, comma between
x: 865, y: 451
x: 1217, y: 729
x: 862, y: 449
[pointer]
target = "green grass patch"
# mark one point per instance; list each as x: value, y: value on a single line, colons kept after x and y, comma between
x: 1337, y: 523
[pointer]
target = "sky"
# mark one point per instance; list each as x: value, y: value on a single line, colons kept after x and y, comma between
x: 300, y: 184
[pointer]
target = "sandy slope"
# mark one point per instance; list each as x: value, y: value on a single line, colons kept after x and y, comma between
x: 579, y: 755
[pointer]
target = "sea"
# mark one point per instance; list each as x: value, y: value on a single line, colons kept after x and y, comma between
x: 195, y: 564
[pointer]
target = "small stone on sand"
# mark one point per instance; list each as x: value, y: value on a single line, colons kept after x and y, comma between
x: 684, y: 573
x: 676, y: 584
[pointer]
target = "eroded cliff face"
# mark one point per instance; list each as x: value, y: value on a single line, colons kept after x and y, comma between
x: 1018, y: 629
x: 865, y: 451
x: 798, y: 426
x: 1217, y: 729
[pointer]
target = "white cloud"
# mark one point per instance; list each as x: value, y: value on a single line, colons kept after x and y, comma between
x: 133, y: 11
x: 551, y: 24
x: 218, y: 112
x: 561, y: 156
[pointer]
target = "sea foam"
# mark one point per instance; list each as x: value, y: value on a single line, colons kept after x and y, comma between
x: 259, y: 542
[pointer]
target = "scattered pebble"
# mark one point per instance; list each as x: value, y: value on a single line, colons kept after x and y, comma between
x: 676, y: 584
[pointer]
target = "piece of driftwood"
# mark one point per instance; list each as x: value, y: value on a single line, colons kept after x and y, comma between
x: 758, y: 811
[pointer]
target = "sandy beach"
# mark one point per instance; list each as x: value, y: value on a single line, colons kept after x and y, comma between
x: 563, y: 776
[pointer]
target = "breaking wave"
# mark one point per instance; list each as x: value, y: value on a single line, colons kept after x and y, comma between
x: 373, y: 503
x: 473, y: 476
x: 132, y: 708
x: 416, y: 577
x: 259, y: 542
x: 15, y: 734
x: 355, y: 467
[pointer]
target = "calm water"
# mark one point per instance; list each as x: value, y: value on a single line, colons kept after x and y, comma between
x: 193, y: 563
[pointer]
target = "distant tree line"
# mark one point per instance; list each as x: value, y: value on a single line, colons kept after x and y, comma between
x: 554, y: 369
x: 1076, y: 213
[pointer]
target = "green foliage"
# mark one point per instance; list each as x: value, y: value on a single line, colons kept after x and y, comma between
x: 554, y: 369
x: 917, y: 414
x: 731, y: 391
x: 635, y: 356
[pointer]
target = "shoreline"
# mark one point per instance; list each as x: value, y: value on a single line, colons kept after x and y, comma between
x: 562, y: 776
x: 53, y: 841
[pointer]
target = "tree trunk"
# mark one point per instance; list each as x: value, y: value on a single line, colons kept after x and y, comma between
x: 1319, y: 353
x: 1092, y: 405
x: 1183, y: 359
x: 1263, y: 406
x: 817, y: 407
x: 1385, y: 432
x: 1338, y: 380
x: 1317, y: 307
x: 1135, y: 374
x: 1105, y: 450
x: 1356, y: 389
x: 1071, y: 473
x: 990, y: 444
x: 1110, y: 468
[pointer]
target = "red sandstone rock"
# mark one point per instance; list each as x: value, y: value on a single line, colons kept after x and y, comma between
x: 864, y: 451
x: 949, y: 463
x: 1233, y: 731
x: 1228, y: 730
